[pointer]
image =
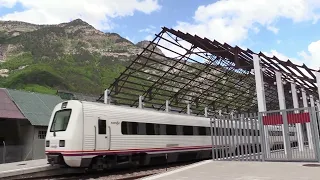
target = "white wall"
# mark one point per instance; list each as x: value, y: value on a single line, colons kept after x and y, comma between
x: 27, y: 132
x: 30, y: 145
x: 39, y: 143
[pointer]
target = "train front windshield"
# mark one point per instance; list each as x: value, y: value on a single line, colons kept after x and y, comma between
x: 61, y: 120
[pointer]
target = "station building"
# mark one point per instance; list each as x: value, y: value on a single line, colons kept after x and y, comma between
x: 24, y: 118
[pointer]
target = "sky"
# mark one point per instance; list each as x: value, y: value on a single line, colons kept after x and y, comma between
x: 288, y: 29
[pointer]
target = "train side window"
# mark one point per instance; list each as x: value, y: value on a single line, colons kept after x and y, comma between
x: 150, y: 129
x: 179, y: 130
x: 124, y: 128
x: 142, y: 130
x: 102, y: 126
x: 234, y: 131
x: 187, y: 130
x: 208, y: 131
x: 242, y: 132
x: 291, y: 134
x: 196, y: 130
x: 163, y: 129
x: 171, y: 129
x: 157, y: 130
x: 134, y: 127
x: 202, y: 131
x: 217, y: 131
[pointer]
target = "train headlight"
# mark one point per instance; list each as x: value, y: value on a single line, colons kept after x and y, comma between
x: 61, y: 143
x: 47, y: 143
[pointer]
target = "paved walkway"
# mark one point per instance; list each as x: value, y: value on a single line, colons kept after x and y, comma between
x: 24, y: 167
x: 241, y: 170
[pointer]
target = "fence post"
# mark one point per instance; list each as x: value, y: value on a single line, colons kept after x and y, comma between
x: 206, y: 112
x: 262, y: 135
x: 318, y: 83
x: 315, y: 129
x: 141, y: 102
x: 298, y: 125
x: 167, y: 105
x: 106, y: 96
x: 211, y: 132
x: 305, y: 104
x: 318, y: 105
x: 286, y: 134
x: 4, y: 151
x: 188, y: 108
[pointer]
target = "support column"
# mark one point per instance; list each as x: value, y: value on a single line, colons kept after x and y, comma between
x: 167, y: 105
x: 318, y: 82
x: 318, y: 105
x: 305, y: 104
x: 312, y: 103
x: 188, y: 108
x: 261, y: 96
x: 106, y: 99
x: 206, y: 112
x: 259, y: 84
x: 141, y: 102
x: 282, y: 105
x: 298, y: 125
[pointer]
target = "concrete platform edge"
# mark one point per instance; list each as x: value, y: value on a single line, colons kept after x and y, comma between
x: 176, y: 170
x: 27, y: 170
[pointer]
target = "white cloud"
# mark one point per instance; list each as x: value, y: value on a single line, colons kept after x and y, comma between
x: 273, y: 29
x: 311, y: 58
x: 283, y: 57
x: 7, y: 3
x: 149, y: 32
x: 149, y: 38
x: 231, y: 20
x: 96, y: 12
x: 149, y: 29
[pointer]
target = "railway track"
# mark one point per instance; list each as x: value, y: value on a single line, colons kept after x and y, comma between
x: 117, y: 174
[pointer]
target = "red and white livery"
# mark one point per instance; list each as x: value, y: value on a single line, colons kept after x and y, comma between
x: 96, y: 135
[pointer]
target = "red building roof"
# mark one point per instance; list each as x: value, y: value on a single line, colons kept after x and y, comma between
x: 8, y: 109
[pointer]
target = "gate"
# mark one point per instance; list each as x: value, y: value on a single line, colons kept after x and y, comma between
x: 290, y: 135
x: 236, y: 137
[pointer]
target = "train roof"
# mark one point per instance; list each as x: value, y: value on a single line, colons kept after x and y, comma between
x: 182, y: 117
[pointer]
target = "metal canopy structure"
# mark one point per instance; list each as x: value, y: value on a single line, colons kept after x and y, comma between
x: 203, y: 73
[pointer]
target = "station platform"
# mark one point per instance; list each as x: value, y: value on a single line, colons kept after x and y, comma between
x: 24, y: 167
x: 242, y: 170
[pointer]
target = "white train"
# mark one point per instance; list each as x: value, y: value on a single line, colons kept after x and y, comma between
x: 96, y: 135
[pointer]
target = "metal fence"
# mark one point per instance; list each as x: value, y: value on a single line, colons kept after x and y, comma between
x: 15, y: 153
x: 236, y: 137
x: 282, y: 135
x: 10, y: 154
x: 297, y: 137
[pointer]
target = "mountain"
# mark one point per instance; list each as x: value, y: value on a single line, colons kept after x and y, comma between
x: 71, y: 56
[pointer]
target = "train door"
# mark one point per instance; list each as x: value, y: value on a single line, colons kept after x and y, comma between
x: 103, y: 135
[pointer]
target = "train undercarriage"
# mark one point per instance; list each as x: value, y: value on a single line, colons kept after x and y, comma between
x: 105, y: 162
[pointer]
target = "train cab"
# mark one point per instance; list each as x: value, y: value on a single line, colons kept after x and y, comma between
x: 64, y: 133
